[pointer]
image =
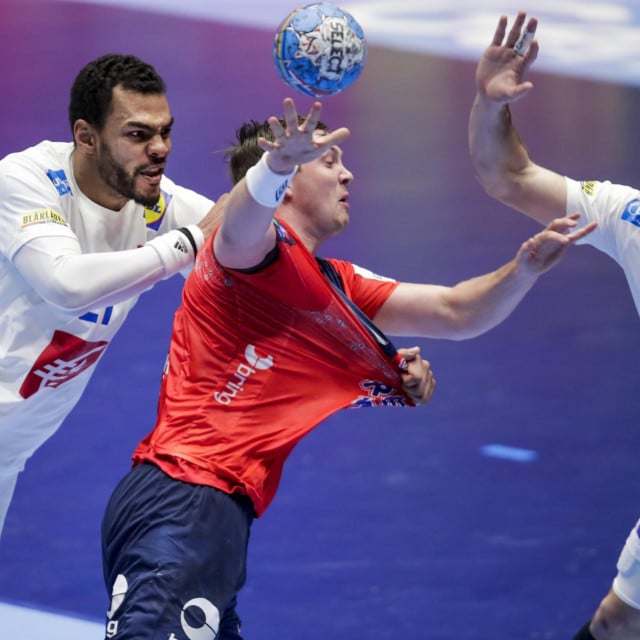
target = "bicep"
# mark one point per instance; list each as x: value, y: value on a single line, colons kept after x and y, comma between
x: 417, y: 310
x: 539, y: 193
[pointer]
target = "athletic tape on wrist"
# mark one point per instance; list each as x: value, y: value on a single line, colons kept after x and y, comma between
x: 266, y: 187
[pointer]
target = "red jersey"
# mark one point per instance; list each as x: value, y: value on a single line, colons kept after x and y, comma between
x: 259, y: 359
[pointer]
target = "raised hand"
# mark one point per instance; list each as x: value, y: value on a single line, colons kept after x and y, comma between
x: 297, y: 143
x: 500, y: 72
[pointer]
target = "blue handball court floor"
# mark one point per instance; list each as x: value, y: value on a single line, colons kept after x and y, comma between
x: 497, y: 511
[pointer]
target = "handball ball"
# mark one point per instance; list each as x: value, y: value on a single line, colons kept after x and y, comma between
x: 319, y: 50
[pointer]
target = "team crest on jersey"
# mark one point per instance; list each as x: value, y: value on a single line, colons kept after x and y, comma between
x: 631, y: 213
x: 153, y: 215
x: 60, y: 181
x: 41, y: 216
x: 589, y: 187
x: 64, y: 358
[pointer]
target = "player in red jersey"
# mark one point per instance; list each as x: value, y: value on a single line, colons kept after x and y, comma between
x: 268, y: 342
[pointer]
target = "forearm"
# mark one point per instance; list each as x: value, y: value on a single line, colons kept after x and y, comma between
x: 246, y: 233
x: 479, y: 304
x: 498, y: 154
x: 77, y: 282
x: 463, y: 311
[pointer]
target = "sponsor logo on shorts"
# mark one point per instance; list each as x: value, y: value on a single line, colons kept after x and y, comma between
x: 118, y: 593
x: 235, y: 385
x: 200, y: 620
x: 42, y: 216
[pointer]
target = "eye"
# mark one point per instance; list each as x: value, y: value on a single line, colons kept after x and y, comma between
x: 138, y: 135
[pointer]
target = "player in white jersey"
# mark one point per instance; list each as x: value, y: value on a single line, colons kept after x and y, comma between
x: 85, y: 227
x: 507, y: 173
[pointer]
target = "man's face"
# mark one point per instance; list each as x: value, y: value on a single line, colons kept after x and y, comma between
x: 320, y: 192
x: 133, y: 146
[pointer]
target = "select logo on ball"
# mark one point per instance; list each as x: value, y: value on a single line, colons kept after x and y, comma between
x: 319, y: 50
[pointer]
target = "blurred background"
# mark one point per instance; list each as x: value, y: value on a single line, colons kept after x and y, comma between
x: 388, y: 524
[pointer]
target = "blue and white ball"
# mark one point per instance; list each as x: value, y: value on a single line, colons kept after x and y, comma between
x: 319, y: 50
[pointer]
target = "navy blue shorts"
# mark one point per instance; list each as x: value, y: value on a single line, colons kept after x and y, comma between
x: 174, y: 558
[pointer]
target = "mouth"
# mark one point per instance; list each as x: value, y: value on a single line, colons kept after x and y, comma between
x: 152, y: 175
x: 345, y: 201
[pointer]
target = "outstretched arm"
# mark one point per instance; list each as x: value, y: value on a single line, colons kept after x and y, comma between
x: 501, y: 161
x: 246, y: 234
x: 474, y: 306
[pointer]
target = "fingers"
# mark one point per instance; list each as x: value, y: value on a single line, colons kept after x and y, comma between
x: 581, y: 233
x: 514, y: 33
x: 501, y: 29
x: 418, y: 382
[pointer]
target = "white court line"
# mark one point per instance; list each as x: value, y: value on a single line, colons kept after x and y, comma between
x: 22, y: 623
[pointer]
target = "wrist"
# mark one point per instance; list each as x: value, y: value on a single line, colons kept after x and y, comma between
x: 265, y: 186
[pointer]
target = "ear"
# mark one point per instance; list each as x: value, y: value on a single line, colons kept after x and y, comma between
x: 84, y: 136
x: 288, y: 193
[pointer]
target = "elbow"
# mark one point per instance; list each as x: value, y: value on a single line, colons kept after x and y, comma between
x: 68, y: 299
x: 497, y: 184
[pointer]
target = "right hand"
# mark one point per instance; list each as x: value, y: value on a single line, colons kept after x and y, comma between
x: 500, y: 72
x: 297, y: 143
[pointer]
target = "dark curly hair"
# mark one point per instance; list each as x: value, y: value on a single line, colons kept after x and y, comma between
x: 92, y: 89
x: 246, y: 152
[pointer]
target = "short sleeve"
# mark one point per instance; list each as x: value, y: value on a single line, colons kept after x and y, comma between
x: 368, y: 290
x: 615, y: 208
x: 29, y: 206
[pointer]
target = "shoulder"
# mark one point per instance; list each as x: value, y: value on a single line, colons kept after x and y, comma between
x: 46, y: 162
x: 355, y: 273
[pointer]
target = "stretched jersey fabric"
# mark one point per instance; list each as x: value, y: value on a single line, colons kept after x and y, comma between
x: 48, y: 355
x: 257, y: 360
x: 616, y: 209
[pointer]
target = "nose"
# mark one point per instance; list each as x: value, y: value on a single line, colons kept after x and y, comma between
x: 345, y: 175
x: 159, y: 146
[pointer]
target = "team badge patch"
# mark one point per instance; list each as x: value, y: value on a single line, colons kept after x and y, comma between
x: 631, y: 213
x: 41, y: 216
x: 589, y: 187
x: 59, y: 180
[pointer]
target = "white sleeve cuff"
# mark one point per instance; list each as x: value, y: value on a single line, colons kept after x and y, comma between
x: 175, y: 250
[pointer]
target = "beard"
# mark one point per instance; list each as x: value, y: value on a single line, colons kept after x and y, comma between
x: 120, y: 181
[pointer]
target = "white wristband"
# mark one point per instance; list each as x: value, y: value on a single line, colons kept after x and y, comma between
x: 266, y: 187
x: 174, y: 250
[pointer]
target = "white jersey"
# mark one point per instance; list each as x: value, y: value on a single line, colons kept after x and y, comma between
x: 47, y: 355
x: 616, y: 209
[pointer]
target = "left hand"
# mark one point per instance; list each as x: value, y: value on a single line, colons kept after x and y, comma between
x: 500, y: 72
x: 417, y: 381
x: 542, y: 251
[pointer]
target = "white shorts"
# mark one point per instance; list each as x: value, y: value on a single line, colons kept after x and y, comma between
x: 626, y: 584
